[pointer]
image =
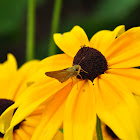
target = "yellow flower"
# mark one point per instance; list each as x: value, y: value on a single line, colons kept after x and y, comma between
x: 13, y: 82
x: 107, y: 87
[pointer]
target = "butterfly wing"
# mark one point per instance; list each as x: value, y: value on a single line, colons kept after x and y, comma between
x: 60, y: 75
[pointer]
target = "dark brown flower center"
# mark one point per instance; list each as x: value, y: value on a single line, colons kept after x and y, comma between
x: 4, y: 104
x: 91, y: 61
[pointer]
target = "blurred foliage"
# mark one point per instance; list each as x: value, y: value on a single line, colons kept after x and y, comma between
x: 10, y: 15
x: 106, y: 15
x: 91, y: 15
x: 12, y: 21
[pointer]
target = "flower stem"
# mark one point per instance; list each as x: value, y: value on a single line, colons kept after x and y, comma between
x: 98, y: 129
x: 30, y: 30
x: 54, y: 26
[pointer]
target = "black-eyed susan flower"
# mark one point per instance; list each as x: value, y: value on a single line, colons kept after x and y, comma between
x: 105, y: 87
x: 13, y: 82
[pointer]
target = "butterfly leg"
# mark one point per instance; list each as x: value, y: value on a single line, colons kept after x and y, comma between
x: 72, y: 81
x: 84, y: 70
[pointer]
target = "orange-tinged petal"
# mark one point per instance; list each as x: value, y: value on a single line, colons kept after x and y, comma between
x: 80, y: 114
x: 53, y: 116
x: 27, y: 129
x: 117, y: 107
x: 23, y: 134
x: 34, y: 96
x: 102, y: 39
x: 16, y: 137
x: 8, y: 70
x: 130, y: 77
x: 123, y: 44
x: 71, y: 42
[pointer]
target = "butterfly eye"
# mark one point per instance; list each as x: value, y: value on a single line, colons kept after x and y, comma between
x: 76, y: 69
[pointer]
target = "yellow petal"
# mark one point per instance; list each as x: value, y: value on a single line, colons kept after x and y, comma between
x: 25, y: 130
x: 102, y: 39
x: 52, y: 116
x: 10, y: 64
x: 9, y: 135
x: 123, y: 45
x: 6, y: 117
x: 71, y: 42
x: 31, y: 121
x: 119, y: 30
x: 138, y: 99
x: 80, y: 34
x: 34, y: 96
x: 55, y: 62
x: 58, y: 136
x: 80, y: 114
x: 52, y: 63
x: 8, y: 70
x: 128, y: 59
x: 21, y: 78
x: 117, y: 107
x: 130, y: 77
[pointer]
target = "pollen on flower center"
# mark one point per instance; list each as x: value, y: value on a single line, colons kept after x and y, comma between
x: 4, y: 104
x: 91, y: 61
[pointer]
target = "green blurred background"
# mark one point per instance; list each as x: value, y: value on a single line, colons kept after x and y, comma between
x: 92, y: 15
